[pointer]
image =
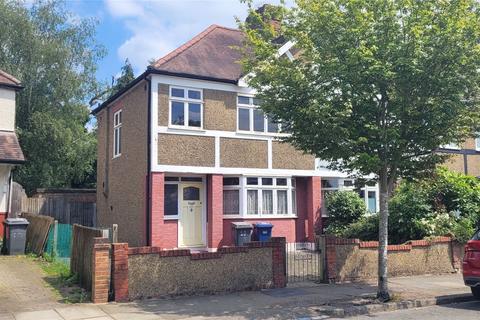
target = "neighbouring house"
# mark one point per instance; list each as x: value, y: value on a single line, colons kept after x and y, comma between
x: 10, y: 152
x: 464, y: 158
x: 184, y: 151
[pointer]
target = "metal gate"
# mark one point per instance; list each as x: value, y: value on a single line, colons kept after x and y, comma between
x: 305, y: 262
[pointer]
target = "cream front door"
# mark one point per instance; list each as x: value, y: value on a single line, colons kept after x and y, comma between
x: 191, y: 217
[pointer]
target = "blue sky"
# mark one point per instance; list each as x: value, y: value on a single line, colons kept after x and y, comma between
x: 142, y: 30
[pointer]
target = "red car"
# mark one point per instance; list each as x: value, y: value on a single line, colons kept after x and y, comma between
x: 471, y: 265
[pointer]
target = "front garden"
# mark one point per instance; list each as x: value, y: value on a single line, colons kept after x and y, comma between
x: 446, y: 204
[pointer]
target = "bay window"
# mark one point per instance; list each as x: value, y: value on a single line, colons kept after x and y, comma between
x: 186, y: 108
x: 259, y: 196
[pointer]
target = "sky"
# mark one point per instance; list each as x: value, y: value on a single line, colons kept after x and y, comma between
x: 145, y: 30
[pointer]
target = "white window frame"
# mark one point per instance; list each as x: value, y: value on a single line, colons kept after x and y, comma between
x: 251, y: 108
x: 477, y: 142
x: 451, y: 146
x: 117, y: 128
x: 172, y: 216
x: 243, y: 201
x: 185, y: 100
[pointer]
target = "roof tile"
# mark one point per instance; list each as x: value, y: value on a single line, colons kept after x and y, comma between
x: 10, y: 150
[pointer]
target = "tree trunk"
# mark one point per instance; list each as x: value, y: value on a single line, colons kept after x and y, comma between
x: 382, y: 293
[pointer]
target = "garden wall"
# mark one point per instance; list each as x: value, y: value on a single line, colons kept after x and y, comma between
x: 152, y: 272
x: 355, y: 260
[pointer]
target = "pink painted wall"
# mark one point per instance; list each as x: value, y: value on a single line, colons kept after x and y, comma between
x: 281, y: 228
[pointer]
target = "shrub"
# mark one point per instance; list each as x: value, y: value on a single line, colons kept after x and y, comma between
x: 344, y: 208
x: 366, y: 228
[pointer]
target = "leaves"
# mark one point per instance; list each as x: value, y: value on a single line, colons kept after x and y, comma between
x: 55, y: 56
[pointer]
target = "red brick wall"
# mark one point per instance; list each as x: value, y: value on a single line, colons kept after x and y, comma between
x: 120, y: 271
x: 163, y: 233
x: 100, y: 270
x: 215, y: 210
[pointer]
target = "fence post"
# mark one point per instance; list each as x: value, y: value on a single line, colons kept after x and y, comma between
x: 279, y: 262
x: 55, y: 238
x: 115, y: 233
x: 120, y: 271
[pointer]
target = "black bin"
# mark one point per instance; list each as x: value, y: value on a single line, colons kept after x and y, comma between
x: 15, y: 235
x: 242, y: 232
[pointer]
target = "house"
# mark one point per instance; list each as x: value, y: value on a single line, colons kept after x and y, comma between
x: 184, y: 151
x: 464, y: 158
x: 10, y: 152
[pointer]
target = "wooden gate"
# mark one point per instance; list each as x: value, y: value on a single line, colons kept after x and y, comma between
x: 305, y: 261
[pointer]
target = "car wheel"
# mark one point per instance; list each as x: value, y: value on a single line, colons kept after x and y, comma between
x: 476, y: 292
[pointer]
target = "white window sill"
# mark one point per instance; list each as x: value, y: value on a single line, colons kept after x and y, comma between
x: 171, y: 217
x: 266, y: 217
x: 188, y: 129
x: 117, y: 156
x: 263, y: 134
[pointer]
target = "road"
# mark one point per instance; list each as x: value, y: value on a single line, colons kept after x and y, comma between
x: 456, y: 311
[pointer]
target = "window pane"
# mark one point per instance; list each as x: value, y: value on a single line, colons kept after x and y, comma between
x: 194, y: 94
x: 171, y: 200
x: 243, y: 100
x: 194, y: 117
x: 267, y: 202
x: 294, y: 182
x: 252, y: 181
x: 120, y: 117
x: 252, y: 202
x: 178, y: 116
x: 256, y: 101
x: 258, y: 121
x: 282, y: 202
x: 272, y: 126
x: 267, y: 181
x: 232, y: 181
x: 191, y: 179
x: 119, y: 129
x: 176, y: 92
x: 329, y: 183
x: 231, y: 203
x: 171, y: 178
x: 372, y: 201
x: 191, y: 194
x: 477, y: 143
x: 294, y: 202
x: 115, y: 142
x: 243, y: 119
x: 281, y: 182
x: 348, y: 183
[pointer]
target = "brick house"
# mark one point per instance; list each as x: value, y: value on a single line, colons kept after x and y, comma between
x: 183, y: 151
x: 464, y: 158
x: 10, y: 151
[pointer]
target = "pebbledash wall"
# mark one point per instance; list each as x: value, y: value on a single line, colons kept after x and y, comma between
x: 142, y: 272
x: 355, y: 260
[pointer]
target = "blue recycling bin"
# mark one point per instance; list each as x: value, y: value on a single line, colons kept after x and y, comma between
x: 263, y: 231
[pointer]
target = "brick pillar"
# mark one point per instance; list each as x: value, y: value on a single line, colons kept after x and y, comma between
x: 314, y: 198
x: 279, y: 256
x: 120, y: 271
x: 215, y: 210
x: 157, y: 200
x: 331, y: 259
x: 100, y: 270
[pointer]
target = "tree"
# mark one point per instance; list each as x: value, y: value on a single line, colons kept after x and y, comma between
x: 376, y: 86
x: 55, y: 56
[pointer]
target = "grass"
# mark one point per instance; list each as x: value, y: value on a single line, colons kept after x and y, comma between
x: 59, y: 277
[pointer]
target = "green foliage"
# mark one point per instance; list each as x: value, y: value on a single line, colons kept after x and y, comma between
x: 125, y: 78
x: 55, y: 56
x: 366, y: 228
x: 344, y: 208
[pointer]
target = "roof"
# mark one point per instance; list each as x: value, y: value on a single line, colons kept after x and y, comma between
x: 10, y: 151
x: 7, y: 80
x: 212, y: 54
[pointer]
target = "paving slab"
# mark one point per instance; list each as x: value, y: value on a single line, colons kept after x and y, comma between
x: 79, y: 312
x: 38, y: 315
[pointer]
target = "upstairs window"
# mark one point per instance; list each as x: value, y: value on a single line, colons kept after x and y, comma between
x: 252, y: 119
x: 186, y: 108
x: 117, y: 133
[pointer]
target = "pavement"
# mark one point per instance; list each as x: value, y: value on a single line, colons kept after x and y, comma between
x: 26, y: 295
x: 458, y: 311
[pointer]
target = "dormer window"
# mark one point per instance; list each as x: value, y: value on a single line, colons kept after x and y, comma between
x: 250, y: 118
x: 186, y: 108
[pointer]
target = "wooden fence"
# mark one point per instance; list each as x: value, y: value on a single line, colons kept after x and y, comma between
x: 82, y: 248
x: 37, y: 232
x: 63, y: 210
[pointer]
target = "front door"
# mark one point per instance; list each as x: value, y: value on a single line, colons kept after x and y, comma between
x: 191, y: 217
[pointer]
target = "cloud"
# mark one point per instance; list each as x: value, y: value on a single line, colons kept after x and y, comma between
x: 158, y: 27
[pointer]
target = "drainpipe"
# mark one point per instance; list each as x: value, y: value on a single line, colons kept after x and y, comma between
x: 149, y: 171
x: 9, y: 201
